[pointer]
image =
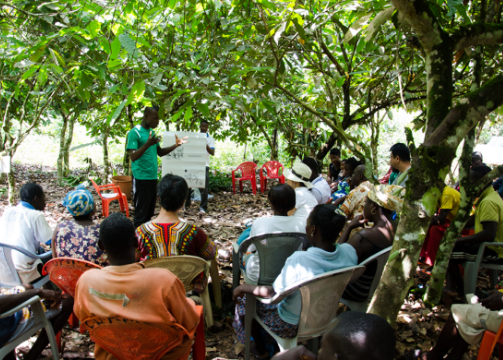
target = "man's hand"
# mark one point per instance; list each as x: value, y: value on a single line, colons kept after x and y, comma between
x: 51, y: 295
x: 180, y: 142
x: 494, y: 301
x: 152, y: 140
x: 238, y: 293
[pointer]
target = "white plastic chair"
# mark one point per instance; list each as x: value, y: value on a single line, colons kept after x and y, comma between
x: 186, y: 268
x: 382, y: 258
x: 8, y: 273
x: 273, y: 250
x: 320, y: 298
x: 41, y: 322
x: 472, y: 269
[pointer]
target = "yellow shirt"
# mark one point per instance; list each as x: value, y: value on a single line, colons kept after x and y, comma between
x: 450, y: 199
x: 489, y: 207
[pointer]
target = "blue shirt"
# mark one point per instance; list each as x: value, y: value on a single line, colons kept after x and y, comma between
x: 304, y: 265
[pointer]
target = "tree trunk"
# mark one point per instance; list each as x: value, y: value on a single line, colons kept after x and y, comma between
x: 68, y: 143
x: 61, y: 156
x: 274, y: 152
x: 128, y: 171
x: 12, y: 185
x: 106, y: 165
x: 326, y: 147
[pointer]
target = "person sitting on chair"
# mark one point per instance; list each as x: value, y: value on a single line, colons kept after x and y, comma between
x: 322, y: 229
x: 126, y: 289
x: 15, y: 325
x: 78, y: 238
x: 355, y: 336
x: 353, y: 204
x: 298, y: 178
x: 344, y: 187
x: 166, y: 235
x: 321, y: 190
x: 381, y: 201
x: 25, y: 226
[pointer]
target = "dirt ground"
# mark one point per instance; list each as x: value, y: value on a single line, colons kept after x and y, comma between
x: 417, y: 326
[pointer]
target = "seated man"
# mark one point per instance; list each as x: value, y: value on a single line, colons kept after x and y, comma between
x: 400, y: 159
x: 25, y: 226
x: 126, y: 289
x: 353, y: 204
x: 320, y: 190
x: 15, y: 325
x: 488, y: 220
x: 448, y: 206
x: 355, y: 336
x: 465, y: 326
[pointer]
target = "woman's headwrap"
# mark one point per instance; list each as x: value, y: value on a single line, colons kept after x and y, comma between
x: 388, y: 196
x: 79, y: 202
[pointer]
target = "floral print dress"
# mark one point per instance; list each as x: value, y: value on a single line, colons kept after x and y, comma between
x: 79, y: 242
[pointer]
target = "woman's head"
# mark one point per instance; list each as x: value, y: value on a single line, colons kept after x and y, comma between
x: 299, y: 175
x: 350, y: 166
x: 324, y: 223
x: 172, y: 192
x: 282, y: 198
x: 80, y: 203
x: 387, y: 198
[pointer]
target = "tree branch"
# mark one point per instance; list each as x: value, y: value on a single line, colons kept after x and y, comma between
x: 477, y: 34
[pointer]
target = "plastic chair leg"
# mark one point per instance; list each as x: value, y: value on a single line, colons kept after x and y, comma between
x: 241, y: 186
x: 263, y: 187
x: 126, y: 205
x: 58, y: 339
x: 73, y: 321
x: 486, y: 346
x: 199, y: 347
x: 205, y: 297
x: 249, y: 314
x: 236, y: 273
x: 470, y: 279
x: 254, y: 186
x: 215, y: 280
x: 104, y: 205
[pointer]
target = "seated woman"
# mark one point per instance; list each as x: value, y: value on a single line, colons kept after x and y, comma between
x: 343, y: 187
x: 78, y: 238
x: 381, y: 201
x: 298, y: 179
x: 282, y: 200
x: 166, y: 235
x: 323, y: 227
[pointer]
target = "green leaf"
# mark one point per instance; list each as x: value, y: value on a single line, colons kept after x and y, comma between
x: 340, y: 81
x: 136, y: 93
x: 390, y: 114
x: 117, y: 111
x: 30, y: 72
x: 203, y: 108
x: 93, y: 28
x: 188, y: 114
x: 430, y: 200
x: 116, y: 48
x: 128, y: 44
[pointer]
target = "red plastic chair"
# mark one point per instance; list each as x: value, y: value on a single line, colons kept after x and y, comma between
x: 128, y: 339
x: 274, y: 171
x: 248, y: 173
x: 65, y: 272
x: 488, y: 343
x: 107, y: 198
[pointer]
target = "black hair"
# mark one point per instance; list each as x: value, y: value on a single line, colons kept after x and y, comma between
x: 401, y: 150
x: 352, y: 163
x: 359, y: 336
x: 172, y: 192
x: 335, y: 151
x: 117, y: 234
x: 328, y: 221
x: 313, y: 165
x: 205, y: 122
x: 29, y: 191
x: 282, y: 197
x: 477, y: 154
x: 478, y: 172
x: 150, y: 109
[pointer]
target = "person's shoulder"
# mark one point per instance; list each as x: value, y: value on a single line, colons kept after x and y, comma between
x: 158, y: 276
x: 89, y: 275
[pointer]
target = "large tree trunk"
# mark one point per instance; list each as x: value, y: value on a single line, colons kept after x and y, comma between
x: 61, y: 150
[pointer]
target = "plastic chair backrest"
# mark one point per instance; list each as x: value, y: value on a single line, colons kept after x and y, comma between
x: 96, y: 187
x: 8, y: 273
x: 247, y: 169
x: 273, y: 168
x: 65, y: 272
x: 382, y: 258
x: 129, y: 339
x: 184, y: 267
x: 273, y: 250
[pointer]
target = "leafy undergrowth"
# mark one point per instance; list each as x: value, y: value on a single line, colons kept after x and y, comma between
x: 416, y: 327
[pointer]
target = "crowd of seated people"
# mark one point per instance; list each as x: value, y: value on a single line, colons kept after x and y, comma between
x: 359, y: 223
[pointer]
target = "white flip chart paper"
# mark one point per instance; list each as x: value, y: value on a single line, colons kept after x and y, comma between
x: 188, y: 160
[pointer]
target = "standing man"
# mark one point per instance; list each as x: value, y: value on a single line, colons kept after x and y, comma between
x: 400, y: 159
x: 143, y: 147
x: 210, y: 150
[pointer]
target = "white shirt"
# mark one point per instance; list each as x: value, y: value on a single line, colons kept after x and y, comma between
x: 321, y: 190
x: 25, y: 228
x: 211, y: 143
x: 304, y: 204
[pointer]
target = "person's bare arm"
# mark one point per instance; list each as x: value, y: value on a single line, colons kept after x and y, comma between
x: 165, y: 151
x: 340, y: 201
x: 210, y: 150
x: 358, y: 221
x: 296, y: 353
x: 8, y: 302
x: 138, y: 153
x: 441, y: 217
x: 257, y: 290
x: 488, y: 234
x: 470, y: 222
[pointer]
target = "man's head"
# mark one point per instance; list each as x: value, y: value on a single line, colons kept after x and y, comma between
x: 399, y: 156
x: 335, y: 157
x: 476, y: 159
x: 172, y: 192
x: 203, y: 127
x: 34, y: 195
x: 117, y: 239
x: 151, y: 116
x: 358, y: 336
x: 478, y: 173
x: 313, y: 165
x: 358, y: 176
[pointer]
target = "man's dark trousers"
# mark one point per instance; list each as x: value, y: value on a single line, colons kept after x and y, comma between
x: 203, y: 191
x: 145, y: 197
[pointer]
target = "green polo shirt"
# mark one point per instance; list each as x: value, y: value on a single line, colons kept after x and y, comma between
x: 145, y: 168
x: 489, y: 207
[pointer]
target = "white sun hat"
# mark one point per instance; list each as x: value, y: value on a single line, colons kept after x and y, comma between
x: 299, y: 173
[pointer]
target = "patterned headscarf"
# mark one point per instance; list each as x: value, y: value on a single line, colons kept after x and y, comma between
x: 79, y: 202
x: 388, y: 196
